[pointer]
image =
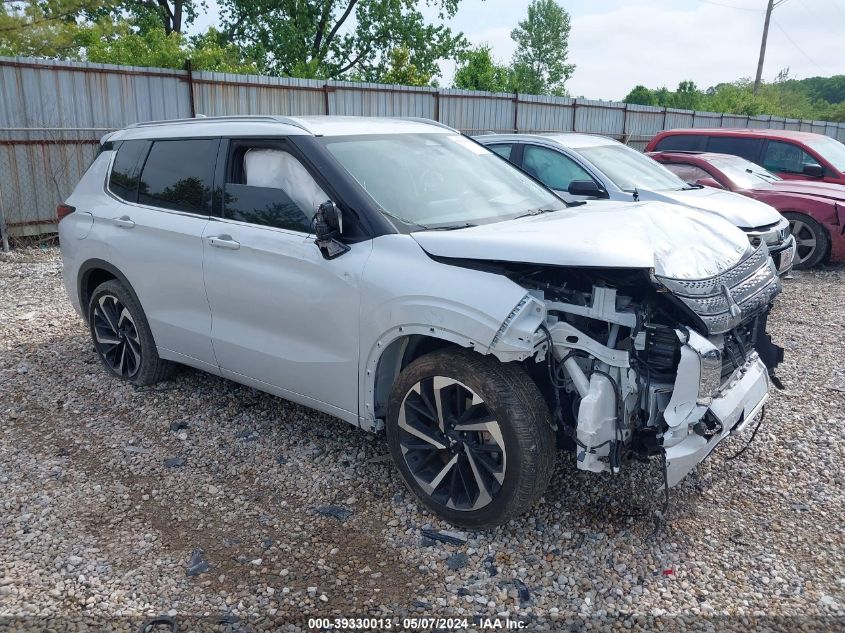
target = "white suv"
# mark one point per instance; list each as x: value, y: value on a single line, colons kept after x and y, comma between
x: 402, y: 277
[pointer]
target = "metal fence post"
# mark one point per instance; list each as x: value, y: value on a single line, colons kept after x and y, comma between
x: 3, y: 232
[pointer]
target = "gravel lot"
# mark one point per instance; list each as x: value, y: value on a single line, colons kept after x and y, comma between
x: 98, y: 522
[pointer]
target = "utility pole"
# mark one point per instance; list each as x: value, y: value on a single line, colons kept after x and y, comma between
x: 759, y: 76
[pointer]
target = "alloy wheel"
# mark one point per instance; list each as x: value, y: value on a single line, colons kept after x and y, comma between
x: 452, y: 444
x: 116, y: 336
x: 805, y: 241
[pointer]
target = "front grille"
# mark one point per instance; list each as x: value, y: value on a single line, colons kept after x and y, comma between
x: 739, y: 343
x: 732, y: 297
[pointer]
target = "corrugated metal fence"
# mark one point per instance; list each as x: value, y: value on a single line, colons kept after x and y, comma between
x: 53, y: 113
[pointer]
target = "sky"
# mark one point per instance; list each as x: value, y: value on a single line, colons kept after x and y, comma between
x: 617, y: 44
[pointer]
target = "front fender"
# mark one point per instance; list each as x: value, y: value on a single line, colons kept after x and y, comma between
x: 471, y: 308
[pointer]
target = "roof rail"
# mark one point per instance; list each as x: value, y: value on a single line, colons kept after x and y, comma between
x: 239, y: 117
x: 422, y: 119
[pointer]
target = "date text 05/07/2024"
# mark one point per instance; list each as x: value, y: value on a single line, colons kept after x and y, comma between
x: 416, y: 624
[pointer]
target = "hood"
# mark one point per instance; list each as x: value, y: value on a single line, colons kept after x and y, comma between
x: 676, y: 242
x: 827, y: 190
x: 739, y: 210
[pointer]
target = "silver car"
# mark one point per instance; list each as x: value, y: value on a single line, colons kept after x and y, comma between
x: 403, y: 278
x: 592, y: 167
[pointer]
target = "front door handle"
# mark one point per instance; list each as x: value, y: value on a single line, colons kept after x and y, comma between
x: 124, y: 222
x: 224, y: 241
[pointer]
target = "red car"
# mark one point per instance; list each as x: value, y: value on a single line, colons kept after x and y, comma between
x: 816, y: 210
x: 789, y: 154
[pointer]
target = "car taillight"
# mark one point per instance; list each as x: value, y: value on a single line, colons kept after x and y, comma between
x: 64, y: 210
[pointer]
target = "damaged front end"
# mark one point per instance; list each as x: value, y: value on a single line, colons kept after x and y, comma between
x: 636, y: 364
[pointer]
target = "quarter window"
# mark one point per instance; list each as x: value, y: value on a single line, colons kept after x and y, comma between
x: 123, y: 181
x: 270, y: 187
x: 178, y: 174
x: 502, y: 149
x: 786, y: 157
x: 552, y: 168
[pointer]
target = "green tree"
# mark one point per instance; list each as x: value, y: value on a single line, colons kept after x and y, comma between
x: 46, y: 28
x: 477, y: 70
x: 641, y: 95
x: 687, y: 97
x: 153, y: 47
x: 542, y: 48
x: 402, y: 71
x: 334, y: 38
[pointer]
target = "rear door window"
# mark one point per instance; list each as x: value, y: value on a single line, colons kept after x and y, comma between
x: 269, y: 186
x: 682, y: 142
x: 786, y: 157
x: 123, y: 180
x: 178, y: 174
x: 748, y: 148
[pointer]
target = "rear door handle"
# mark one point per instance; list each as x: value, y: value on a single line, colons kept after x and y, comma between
x: 224, y: 241
x: 124, y: 222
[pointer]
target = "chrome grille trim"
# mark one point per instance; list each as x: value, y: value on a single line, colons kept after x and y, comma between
x: 751, y: 285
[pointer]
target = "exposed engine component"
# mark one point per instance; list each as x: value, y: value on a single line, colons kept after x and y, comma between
x: 657, y: 367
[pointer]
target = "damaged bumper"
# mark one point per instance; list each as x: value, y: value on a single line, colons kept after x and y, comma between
x: 736, y: 404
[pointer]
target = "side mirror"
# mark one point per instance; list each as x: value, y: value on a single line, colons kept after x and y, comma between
x: 813, y: 170
x: 709, y: 182
x: 328, y: 225
x: 585, y: 188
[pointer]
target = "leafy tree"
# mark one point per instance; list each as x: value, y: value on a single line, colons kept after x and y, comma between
x: 402, y: 71
x: 153, y: 47
x: 687, y: 97
x: 477, y: 70
x: 44, y: 28
x: 542, y: 47
x: 332, y: 38
x: 641, y: 95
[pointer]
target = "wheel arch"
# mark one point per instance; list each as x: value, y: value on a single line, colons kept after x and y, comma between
x: 94, y: 272
x: 392, y: 353
x: 826, y: 257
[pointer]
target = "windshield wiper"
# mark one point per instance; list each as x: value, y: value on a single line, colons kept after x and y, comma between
x: 450, y: 227
x: 539, y: 211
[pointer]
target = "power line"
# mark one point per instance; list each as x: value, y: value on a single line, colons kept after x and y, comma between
x: 817, y: 17
x: 791, y: 41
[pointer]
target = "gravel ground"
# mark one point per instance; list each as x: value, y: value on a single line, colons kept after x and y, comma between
x: 108, y: 490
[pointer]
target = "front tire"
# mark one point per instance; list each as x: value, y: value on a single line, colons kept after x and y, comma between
x: 471, y: 437
x: 812, y: 243
x: 122, y: 336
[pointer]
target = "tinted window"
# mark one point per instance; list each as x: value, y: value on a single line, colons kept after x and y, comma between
x: 781, y: 156
x: 271, y: 187
x: 552, y: 168
x: 177, y: 175
x: 748, y: 148
x: 504, y: 150
x: 683, y: 142
x: 123, y: 181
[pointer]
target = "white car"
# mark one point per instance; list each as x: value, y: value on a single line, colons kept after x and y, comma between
x: 587, y: 166
x: 401, y: 277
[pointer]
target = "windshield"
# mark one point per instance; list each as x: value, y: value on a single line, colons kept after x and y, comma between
x: 628, y: 169
x: 830, y: 149
x: 439, y: 180
x: 744, y: 173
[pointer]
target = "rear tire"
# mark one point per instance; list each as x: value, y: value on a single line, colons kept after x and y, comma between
x: 471, y: 437
x: 812, y: 243
x: 122, y: 336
